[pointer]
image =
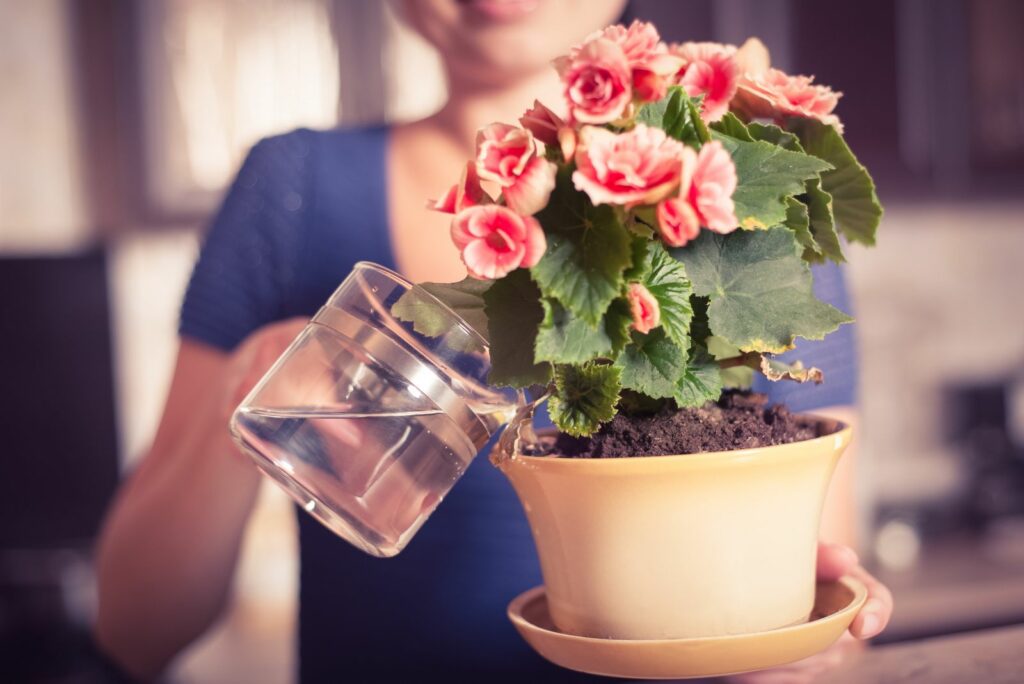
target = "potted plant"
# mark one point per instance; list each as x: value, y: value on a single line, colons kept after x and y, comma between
x: 635, y: 259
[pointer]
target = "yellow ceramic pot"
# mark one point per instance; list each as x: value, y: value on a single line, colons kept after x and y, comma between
x: 670, y: 547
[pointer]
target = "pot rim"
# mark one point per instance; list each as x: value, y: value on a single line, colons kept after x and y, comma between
x: 835, y: 440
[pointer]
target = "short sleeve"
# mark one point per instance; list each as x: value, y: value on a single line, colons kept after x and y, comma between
x: 247, y: 264
x: 836, y: 355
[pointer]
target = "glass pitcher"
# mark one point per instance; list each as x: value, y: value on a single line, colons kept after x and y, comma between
x: 367, y: 422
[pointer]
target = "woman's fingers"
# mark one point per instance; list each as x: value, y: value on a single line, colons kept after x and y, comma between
x: 256, y: 355
x: 877, y: 610
x: 834, y: 561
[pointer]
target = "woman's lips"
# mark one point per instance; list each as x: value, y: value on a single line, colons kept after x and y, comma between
x: 501, y: 10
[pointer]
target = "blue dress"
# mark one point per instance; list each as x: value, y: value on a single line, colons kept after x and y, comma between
x: 305, y: 207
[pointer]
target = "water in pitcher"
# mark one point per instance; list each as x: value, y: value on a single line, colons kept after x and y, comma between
x: 368, y: 422
x: 380, y: 474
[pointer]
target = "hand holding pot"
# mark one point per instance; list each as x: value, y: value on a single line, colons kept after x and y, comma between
x: 834, y: 561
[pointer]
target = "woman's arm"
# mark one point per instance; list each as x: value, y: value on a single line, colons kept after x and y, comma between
x: 170, y: 544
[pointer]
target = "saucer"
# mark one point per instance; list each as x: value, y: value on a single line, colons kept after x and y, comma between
x: 835, y: 605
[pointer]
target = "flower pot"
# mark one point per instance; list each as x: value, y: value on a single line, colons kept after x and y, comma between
x: 668, y: 547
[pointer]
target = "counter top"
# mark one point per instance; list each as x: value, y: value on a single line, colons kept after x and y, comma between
x: 993, y: 656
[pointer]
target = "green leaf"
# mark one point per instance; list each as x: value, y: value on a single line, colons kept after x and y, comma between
x: 582, y: 267
x: 639, y: 264
x: 819, y: 205
x: 694, y: 104
x: 759, y: 287
x: 514, y: 313
x: 731, y: 126
x: 855, y: 203
x: 798, y: 221
x: 618, y: 322
x: 815, y: 231
x: 700, y: 382
x: 775, y: 135
x: 666, y: 280
x: 652, y: 364
x: 767, y: 175
x: 465, y: 298
x: 584, y: 397
x: 565, y: 338
x: 676, y: 115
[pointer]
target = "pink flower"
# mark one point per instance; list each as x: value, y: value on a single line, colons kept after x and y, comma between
x: 502, y: 152
x: 543, y: 123
x: 711, y: 187
x: 640, y: 42
x: 598, y: 82
x: 677, y: 221
x: 550, y: 129
x: 649, y: 86
x: 507, y: 156
x: 709, y: 69
x: 775, y: 95
x: 532, y: 188
x: 705, y: 196
x: 644, y: 307
x: 466, y: 193
x: 639, y: 166
x: 651, y: 64
x: 494, y: 240
x: 752, y: 57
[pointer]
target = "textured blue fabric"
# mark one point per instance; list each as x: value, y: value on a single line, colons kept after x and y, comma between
x: 305, y: 207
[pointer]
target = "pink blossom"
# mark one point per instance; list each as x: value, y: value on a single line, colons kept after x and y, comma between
x: 543, y: 123
x: 649, y: 86
x: 494, y: 240
x: 532, y: 188
x: 776, y: 95
x: 706, y: 185
x: 677, y: 221
x: 651, y: 64
x: 502, y: 152
x: 644, y: 307
x: 639, y: 166
x: 466, y: 193
x: 507, y: 155
x: 709, y: 69
x: 711, y: 186
x: 598, y: 82
x: 639, y: 42
x: 752, y: 57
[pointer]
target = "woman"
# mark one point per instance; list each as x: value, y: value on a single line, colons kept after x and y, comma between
x: 305, y: 207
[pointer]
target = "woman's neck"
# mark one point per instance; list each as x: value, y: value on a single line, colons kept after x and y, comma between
x: 472, y: 106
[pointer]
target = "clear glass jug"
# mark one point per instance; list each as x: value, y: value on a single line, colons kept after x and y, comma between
x: 365, y: 421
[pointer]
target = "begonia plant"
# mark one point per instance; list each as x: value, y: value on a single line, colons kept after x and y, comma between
x: 658, y: 238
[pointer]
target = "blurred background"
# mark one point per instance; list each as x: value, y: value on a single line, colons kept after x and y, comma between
x: 121, y: 122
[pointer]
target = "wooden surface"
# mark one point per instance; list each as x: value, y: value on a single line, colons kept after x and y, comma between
x: 993, y: 656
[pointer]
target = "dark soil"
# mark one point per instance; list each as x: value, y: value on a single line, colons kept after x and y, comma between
x: 739, y: 420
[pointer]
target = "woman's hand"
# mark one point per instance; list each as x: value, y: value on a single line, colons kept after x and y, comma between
x: 254, y: 357
x: 834, y: 561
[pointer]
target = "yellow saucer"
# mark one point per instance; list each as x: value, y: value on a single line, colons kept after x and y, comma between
x: 835, y: 605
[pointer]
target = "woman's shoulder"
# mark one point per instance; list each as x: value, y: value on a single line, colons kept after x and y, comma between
x: 305, y: 146
x: 334, y: 165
